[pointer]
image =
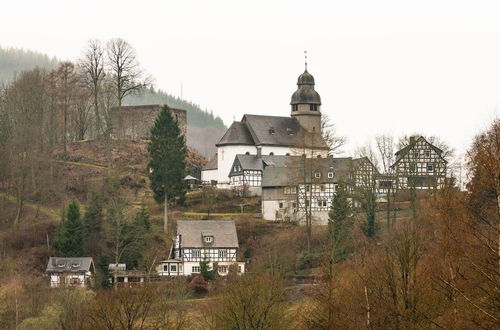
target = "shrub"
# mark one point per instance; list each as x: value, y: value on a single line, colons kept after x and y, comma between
x: 198, y: 285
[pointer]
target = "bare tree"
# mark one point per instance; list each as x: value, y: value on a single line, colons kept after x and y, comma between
x: 127, y: 75
x: 385, y: 147
x: 329, y: 133
x: 92, y: 65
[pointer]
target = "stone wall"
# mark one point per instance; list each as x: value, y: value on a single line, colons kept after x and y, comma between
x: 134, y: 122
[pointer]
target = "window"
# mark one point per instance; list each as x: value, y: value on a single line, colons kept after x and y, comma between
x: 271, y: 153
x: 317, y: 175
x: 271, y: 130
x: 290, y: 190
x: 294, y: 205
x: 307, y: 203
x: 287, y: 154
x: 195, y: 269
x: 295, y: 107
x: 322, y: 187
x: 280, y: 205
x: 239, y: 269
x: 307, y: 187
x: 173, y: 268
x: 75, y: 281
x: 196, y: 253
x: 165, y: 268
x: 330, y: 175
x: 427, y: 154
x: 247, y: 153
x: 208, y: 239
x: 416, y: 154
x: 413, y: 167
x: 313, y: 107
x: 323, y: 203
x: 318, y: 156
x: 223, y: 269
x: 222, y: 253
x: 430, y: 168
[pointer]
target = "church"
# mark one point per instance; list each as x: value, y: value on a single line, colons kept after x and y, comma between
x: 296, y: 135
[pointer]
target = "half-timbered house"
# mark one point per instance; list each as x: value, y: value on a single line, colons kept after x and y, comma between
x: 309, y: 185
x: 68, y: 272
x: 213, y: 241
x: 419, y: 165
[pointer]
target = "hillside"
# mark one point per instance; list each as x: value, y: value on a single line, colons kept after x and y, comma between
x: 204, y: 128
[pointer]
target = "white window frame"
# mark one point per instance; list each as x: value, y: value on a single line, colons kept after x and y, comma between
x: 174, y: 270
x: 208, y: 238
x: 195, y: 269
x: 222, y: 253
x: 196, y: 253
x: 223, y: 269
x: 317, y: 175
x: 330, y: 175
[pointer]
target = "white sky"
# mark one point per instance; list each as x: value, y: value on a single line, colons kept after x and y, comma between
x: 386, y: 66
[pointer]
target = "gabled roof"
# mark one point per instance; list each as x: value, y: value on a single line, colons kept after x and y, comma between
x: 192, y: 231
x: 212, y: 163
x: 269, y: 130
x: 72, y: 264
x: 289, y: 175
x: 253, y: 162
x: 238, y: 134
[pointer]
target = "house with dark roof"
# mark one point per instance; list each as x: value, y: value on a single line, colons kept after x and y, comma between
x: 310, y: 184
x: 298, y: 134
x: 68, y: 272
x: 214, y: 241
x: 419, y: 165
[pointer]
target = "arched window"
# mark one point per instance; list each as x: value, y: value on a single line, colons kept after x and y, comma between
x: 271, y: 153
x: 287, y: 154
x: 247, y: 153
x: 319, y: 156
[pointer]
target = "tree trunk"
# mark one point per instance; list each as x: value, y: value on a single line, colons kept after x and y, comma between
x: 165, y: 215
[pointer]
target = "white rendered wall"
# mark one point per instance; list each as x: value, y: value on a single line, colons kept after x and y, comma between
x: 225, y: 159
x: 209, y: 175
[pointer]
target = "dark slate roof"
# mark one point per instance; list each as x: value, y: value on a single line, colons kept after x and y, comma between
x: 253, y: 162
x: 192, y: 231
x: 305, y: 93
x: 212, y: 163
x: 72, y: 265
x: 238, y: 133
x: 285, y: 176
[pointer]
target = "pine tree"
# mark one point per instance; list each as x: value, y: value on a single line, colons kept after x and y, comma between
x: 93, y: 223
x: 167, y: 152
x: 70, y: 236
x: 339, y: 223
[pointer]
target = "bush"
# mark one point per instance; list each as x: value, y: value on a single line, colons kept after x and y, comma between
x: 198, y: 285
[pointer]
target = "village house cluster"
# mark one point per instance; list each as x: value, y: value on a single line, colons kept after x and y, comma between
x: 285, y: 161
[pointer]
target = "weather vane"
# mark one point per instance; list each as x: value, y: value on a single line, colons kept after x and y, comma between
x: 305, y: 58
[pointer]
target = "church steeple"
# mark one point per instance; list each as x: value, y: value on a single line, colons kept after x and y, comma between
x: 306, y: 102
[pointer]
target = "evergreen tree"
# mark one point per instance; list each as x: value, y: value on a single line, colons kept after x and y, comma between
x: 367, y: 199
x: 141, y: 228
x: 93, y: 223
x: 167, y: 152
x: 69, y: 240
x: 207, y: 274
x: 339, y: 224
x: 142, y: 219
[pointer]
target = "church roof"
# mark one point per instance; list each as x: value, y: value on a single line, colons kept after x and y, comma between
x: 305, y: 93
x: 212, y: 163
x: 238, y: 134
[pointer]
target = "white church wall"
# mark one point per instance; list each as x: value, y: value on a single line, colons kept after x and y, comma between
x: 225, y: 159
x: 209, y: 175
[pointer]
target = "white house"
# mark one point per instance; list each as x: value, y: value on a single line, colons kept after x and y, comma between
x: 68, y: 272
x: 272, y: 135
x: 215, y: 241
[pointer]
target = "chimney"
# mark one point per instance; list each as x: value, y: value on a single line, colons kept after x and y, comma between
x: 259, y: 152
x: 412, y: 139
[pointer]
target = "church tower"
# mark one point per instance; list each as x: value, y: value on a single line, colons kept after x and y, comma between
x: 306, y: 103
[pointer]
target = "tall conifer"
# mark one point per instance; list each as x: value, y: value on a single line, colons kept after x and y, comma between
x: 70, y: 236
x: 167, y: 152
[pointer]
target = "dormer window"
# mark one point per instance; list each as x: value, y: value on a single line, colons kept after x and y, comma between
x: 313, y: 107
x: 271, y: 153
x: 271, y: 130
x: 247, y: 153
x: 75, y: 265
x: 330, y: 175
x: 208, y: 239
x: 317, y: 175
x: 61, y: 265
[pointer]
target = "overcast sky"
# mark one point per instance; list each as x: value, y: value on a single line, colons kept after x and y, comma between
x: 385, y: 66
